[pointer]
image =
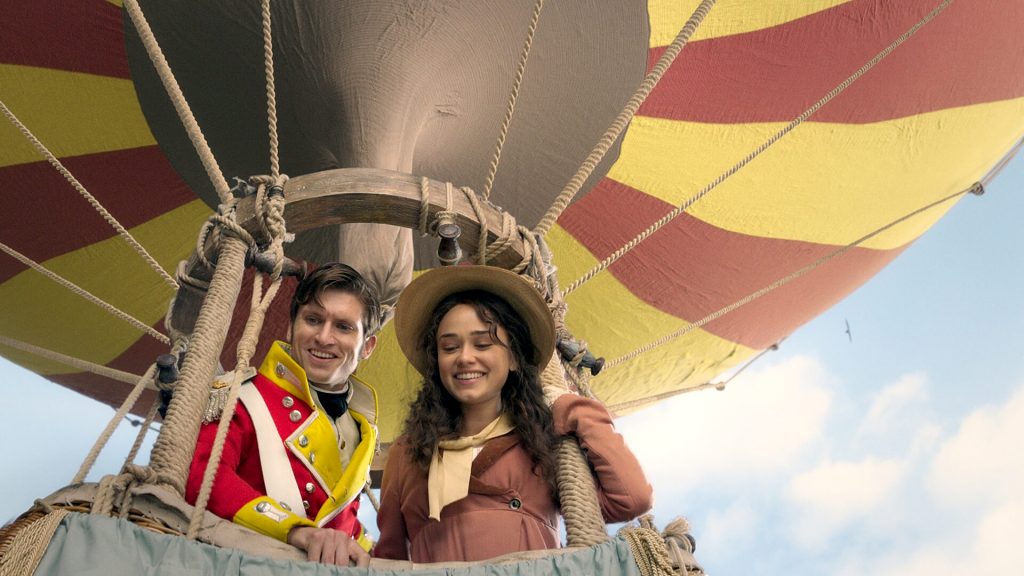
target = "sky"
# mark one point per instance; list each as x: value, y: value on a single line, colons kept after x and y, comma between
x: 893, y: 453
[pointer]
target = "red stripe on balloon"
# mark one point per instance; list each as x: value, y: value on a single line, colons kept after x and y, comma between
x: 971, y: 53
x: 77, y: 36
x: 134, y: 185
x: 691, y: 269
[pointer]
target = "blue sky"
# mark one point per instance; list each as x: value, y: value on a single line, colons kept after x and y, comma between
x: 895, y: 453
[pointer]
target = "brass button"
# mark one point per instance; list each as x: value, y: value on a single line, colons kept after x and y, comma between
x: 285, y: 505
x: 295, y: 416
x: 310, y: 487
x: 303, y: 441
x: 312, y: 458
x: 305, y: 504
x: 515, y: 503
x: 262, y: 507
x: 280, y: 370
x: 287, y: 401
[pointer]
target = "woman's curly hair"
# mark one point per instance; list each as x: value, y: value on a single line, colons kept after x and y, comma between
x: 435, y: 415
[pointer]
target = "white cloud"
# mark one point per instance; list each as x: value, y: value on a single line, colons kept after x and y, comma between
x: 756, y: 428
x: 983, y: 462
x: 834, y: 494
x: 894, y: 400
x: 725, y: 531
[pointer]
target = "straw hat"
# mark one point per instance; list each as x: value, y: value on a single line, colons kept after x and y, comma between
x: 423, y: 294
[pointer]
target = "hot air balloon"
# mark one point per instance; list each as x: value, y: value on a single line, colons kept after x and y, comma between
x: 788, y: 153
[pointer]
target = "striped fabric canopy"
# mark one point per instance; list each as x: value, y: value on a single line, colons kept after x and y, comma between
x: 930, y: 120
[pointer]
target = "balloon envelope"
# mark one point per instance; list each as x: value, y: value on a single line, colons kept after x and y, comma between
x: 422, y: 88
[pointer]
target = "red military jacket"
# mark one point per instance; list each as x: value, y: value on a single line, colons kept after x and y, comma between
x: 297, y: 432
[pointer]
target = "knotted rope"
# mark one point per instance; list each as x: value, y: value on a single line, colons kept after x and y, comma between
x: 121, y: 230
x: 675, y: 212
x: 509, y: 229
x: 172, y: 452
x: 623, y: 119
x: 666, y: 554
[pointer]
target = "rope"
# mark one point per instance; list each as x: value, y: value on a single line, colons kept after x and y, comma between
x: 782, y: 282
x: 371, y: 497
x: 214, y: 463
x: 649, y: 551
x: 268, y: 68
x: 511, y: 106
x: 129, y: 401
x: 121, y: 230
x: 188, y: 120
x: 172, y: 453
x: 630, y: 404
x: 246, y: 348
x: 111, y: 373
x: 22, y: 552
x: 143, y: 430
x: 85, y: 294
x: 623, y: 119
x: 757, y: 152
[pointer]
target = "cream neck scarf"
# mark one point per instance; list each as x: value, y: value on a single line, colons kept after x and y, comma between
x: 448, y: 479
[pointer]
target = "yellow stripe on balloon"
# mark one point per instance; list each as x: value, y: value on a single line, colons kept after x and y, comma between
x: 823, y: 183
x: 727, y: 17
x: 614, y: 322
x: 39, y: 311
x: 71, y: 113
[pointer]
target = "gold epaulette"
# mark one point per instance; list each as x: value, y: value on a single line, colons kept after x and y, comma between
x: 220, y: 389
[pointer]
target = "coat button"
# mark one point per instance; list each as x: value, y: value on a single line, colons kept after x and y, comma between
x: 305, y: 504
x: 303, y: 441
x: 262, y: 507
x: 287, y: 401
x: 280, y: 370
x: 295, y: 416
x: 515, y: 503
x: 310, y: 487
x: 285, y: 505
x: 312, y: 458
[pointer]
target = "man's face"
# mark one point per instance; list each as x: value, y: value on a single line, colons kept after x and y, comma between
x: 328, y: 338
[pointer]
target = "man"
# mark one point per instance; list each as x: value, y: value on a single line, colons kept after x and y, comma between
x: 299, y: 446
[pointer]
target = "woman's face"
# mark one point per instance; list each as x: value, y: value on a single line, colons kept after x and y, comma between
x: 472, y: 366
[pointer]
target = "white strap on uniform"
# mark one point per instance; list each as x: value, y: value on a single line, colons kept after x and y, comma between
x: 277, y: 469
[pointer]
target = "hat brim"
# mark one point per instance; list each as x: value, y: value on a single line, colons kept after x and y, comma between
x: 422, y: 295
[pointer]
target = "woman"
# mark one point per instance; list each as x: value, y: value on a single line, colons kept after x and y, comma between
x: 472, y: 476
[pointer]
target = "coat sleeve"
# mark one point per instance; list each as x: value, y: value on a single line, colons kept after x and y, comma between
x: 394, y: 536
x: 622, y: 487
x: 233, y: 497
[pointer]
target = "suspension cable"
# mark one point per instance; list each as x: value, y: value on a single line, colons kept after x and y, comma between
x: 626, y: 248
x: 85, y: 294
x: 622, y: 120
x: 268, y: 69
x: 974, y: 189
x: 511, y: 106
x: 188, y: 120
x: 121, y: 230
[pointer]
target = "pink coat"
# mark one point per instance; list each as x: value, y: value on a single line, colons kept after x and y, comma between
x: 509, y: 507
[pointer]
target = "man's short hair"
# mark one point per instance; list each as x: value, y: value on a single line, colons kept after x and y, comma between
x: 342, y: 277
